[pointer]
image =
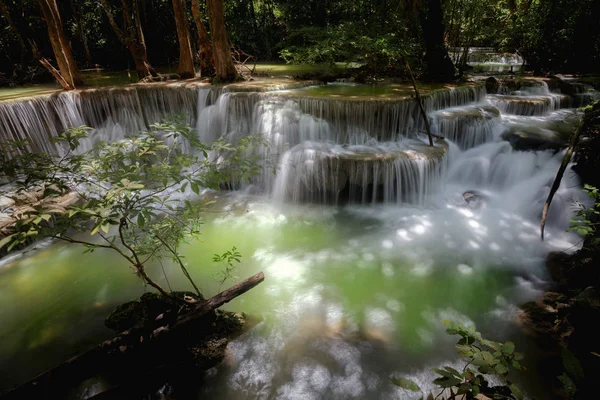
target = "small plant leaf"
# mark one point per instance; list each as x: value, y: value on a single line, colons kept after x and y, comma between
x: 572, y: 365
x: 516, y: 391
x: 508, y: 348
x: 406, y: 383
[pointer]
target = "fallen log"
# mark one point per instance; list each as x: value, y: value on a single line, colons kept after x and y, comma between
x: 130, y: 350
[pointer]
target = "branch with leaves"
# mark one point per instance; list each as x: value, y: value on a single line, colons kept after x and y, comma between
x: 134, y: 197
x: 483, y: 358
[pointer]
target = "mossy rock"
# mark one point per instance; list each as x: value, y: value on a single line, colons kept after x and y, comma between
x: 145, y: 310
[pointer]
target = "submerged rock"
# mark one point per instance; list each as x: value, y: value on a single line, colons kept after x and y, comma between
x: 475, y: 199
x: 529, y: 141
x: 151, y: 309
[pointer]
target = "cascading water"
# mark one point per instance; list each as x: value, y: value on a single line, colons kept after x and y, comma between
x: 353, y: 294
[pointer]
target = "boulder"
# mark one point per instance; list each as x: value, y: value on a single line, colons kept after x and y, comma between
x: 492, y: 85
x: 474, y: 198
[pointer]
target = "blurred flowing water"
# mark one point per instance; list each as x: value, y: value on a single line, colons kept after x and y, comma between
x: 363, y: 232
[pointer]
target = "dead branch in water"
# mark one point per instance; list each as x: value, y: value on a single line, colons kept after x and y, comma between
x: 558, y: 178
x: 419, y: 100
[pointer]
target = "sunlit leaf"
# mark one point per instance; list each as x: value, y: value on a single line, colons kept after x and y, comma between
x: 406, y: 383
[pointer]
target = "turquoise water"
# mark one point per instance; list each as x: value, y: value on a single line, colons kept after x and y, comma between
x: 342, y: 283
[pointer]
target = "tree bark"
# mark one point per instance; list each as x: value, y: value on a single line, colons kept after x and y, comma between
x: 439, y: 65
x: 224, y: 67
x: 131, y: 36
x: 4, y: 11
x: 186, y: 60
x: 138, y: 341
x: 60, y: 45
x: 559, y: 175
x: 419, y: 101
x: 207, y: 66
x: 82, y: 35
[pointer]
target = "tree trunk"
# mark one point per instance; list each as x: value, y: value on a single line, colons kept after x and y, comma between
x: 207, y: 66
x: 439, y: 64
x: 60, y: 45
x: 132, y: 37
x: 224, y: 67
x: 186, y: 61
x: 82, y: 35
x: 15, y: 31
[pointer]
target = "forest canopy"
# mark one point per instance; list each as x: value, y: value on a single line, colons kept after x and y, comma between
x: 551, y: 35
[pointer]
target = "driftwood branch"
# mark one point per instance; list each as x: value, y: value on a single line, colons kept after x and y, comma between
x: 419, y: 101
x: 238, y: 55
x: 139, y: 342
x: 558, y: 179
x: 59, y: 78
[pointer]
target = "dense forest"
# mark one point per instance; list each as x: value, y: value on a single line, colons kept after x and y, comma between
x: 551, y: 36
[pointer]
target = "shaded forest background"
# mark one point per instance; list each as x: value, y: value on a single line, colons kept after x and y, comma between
x: 551, y: 35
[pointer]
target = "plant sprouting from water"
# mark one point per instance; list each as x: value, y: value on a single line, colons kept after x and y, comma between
x: 483, y: 358
x: 132, y: 194
x: 229, y: 260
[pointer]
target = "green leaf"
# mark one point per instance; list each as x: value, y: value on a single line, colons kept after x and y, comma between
x: 501, y: 369
x: 463, y: 388
x: 508, y: 348
x: 447, y: 382
x: 484, y: 369
x: 4, y: 241
x: 568, y: 385
x: 406, y: 383
x: 489, y: 358
x: 453, y: 372
x: 516, y: 391
x: 572, y: 365
x: 516, y: 365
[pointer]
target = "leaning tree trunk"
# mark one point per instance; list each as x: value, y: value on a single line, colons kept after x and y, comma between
x: 60, y: 45
x: 207, y: 66
x: 439, y: 64
x: 186, y: 61
x: 224, y: 67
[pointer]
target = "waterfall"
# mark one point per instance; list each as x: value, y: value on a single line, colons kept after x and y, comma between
x: 319, y: 149
x: 111, y: 112
x: 533, y: 98
x: 467, y: 126
x: 406, y: 171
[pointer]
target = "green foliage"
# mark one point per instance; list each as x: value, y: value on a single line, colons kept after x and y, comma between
x: 130, y: 191
x: 484, y: 357
x: 559, y: 35
x: 585, y: 218
x: 229, y: 260
x: 346, y: 42
x: 573, y: 373
x: 406, y: 383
